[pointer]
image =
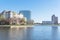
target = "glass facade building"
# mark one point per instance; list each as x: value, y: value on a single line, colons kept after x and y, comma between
x: 26, y: 14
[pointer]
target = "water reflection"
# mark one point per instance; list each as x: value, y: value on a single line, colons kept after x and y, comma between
x: 30, y: 33
x: 20, y: 34
x: 4, y: 34
x: 17, y: 34
x: 54, y: 33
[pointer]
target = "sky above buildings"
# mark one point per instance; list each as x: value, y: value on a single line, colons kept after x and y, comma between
x: 41, y: 10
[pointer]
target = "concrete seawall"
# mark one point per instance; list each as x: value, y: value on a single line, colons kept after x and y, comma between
x: 15, y: 26
x: 21, y: 26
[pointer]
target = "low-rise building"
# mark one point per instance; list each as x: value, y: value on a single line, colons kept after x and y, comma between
x: 30, y: 21
x: 46, y: 22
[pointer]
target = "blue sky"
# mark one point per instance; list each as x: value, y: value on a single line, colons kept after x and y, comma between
x: 40, y: 9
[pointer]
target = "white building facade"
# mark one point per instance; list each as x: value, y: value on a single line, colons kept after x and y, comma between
x: 7, y: 14
x: 46, y: 22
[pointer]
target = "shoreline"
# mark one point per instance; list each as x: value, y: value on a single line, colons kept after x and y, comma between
x: 15, y: 26
x: 22, y: 26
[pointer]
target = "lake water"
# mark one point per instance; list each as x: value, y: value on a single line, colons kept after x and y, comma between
x: 32, y: 33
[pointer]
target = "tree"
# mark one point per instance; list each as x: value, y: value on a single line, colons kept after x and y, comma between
x: 1, y: 17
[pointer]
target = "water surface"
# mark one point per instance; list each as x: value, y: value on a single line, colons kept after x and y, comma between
x: 31, y: 33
